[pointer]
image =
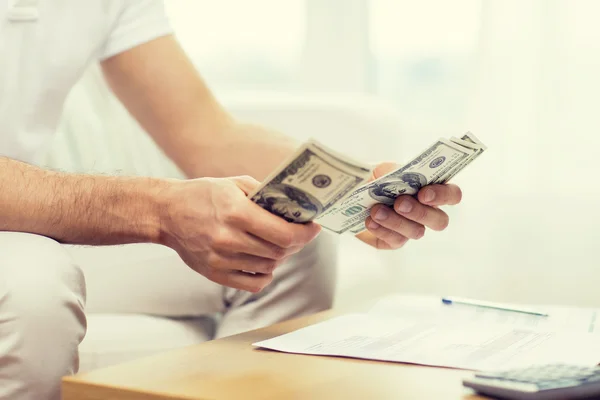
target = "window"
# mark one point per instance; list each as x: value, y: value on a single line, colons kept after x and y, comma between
x: 241, y: 44
x: 423, y: 55
x: 419, y: 55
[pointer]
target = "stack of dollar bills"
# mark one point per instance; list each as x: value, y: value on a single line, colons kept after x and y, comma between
x: 321, y: 185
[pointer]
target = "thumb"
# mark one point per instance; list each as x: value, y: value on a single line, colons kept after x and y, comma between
x: 384, y: 168
x: 247, y: 183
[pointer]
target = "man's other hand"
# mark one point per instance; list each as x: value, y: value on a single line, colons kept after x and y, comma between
x: 391, y: 228
x: 221, y: 234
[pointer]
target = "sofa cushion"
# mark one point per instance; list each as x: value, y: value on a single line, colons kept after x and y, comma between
x: 116, y: 338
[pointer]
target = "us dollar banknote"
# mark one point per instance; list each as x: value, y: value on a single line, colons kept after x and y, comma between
x: 470, y: 141
x: 432, y: 165
x: 309, y: 183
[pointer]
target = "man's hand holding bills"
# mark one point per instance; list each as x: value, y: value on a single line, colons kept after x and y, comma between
x: 341, y: 194
x: 410, y: 216
x: 309, y: 183
x: 437, y: 164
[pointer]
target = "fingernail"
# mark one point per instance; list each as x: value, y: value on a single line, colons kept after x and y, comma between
x: 382, y: 214
x: 404, y: 206
x: 373, y: 225
x: 428, y: 195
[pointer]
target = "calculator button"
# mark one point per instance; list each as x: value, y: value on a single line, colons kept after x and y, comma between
x: 584, y: 376
x: 593, y: 378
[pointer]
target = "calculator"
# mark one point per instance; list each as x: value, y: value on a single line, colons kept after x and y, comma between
x: 539, y: 382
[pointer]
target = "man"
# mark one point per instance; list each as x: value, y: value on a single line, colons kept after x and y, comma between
x: 45, y: 46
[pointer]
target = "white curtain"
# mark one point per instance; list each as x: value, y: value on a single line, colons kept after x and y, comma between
x: 528, y: 74
x: 527, y: 227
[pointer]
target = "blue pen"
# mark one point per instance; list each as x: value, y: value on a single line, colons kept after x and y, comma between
x: 488, y: 304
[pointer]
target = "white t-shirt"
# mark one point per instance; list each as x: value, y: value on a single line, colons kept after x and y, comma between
x: 46, y: 45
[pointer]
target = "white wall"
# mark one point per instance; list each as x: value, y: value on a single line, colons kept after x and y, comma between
x: 536, y: 103
x: 521, y: 75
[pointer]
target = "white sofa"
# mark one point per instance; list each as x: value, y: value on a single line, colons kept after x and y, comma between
x: 97, y: 135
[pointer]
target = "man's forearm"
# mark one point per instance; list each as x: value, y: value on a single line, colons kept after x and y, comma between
x: 78, y: 209
x: 161, y: 88
x: 202, y: 138
x: 239, y: 149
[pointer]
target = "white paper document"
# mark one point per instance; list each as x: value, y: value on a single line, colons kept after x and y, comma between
x: 396, y: 331
x: 431, y: 308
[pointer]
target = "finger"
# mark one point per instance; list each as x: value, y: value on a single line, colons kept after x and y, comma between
x: 384, y: 168
x: 386, y: 217
x: 261, y: 248
x: 439, y: 195
x: 276, y: 230
x: 241, y: 280
x: 430, y: 217
x: 246, y: 183
x: 242, y: 262
x: 243, y: 242
x: 392, y: 240
x: 373, y: 240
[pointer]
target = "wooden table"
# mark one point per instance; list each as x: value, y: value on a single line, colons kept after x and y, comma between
x: 231, y: 368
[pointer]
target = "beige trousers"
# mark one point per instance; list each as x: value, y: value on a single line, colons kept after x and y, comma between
x: 43, y: 293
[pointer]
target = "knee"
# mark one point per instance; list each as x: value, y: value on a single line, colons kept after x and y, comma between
x: 313, y: 273
x: 42, y: 295
x: 37, y: 273
x: 325, y: 269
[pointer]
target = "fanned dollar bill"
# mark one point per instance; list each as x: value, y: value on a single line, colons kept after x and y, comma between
x: 309, y: 183
x: 316, y: 183
x: 470, y: 141
x: 434, y: 162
